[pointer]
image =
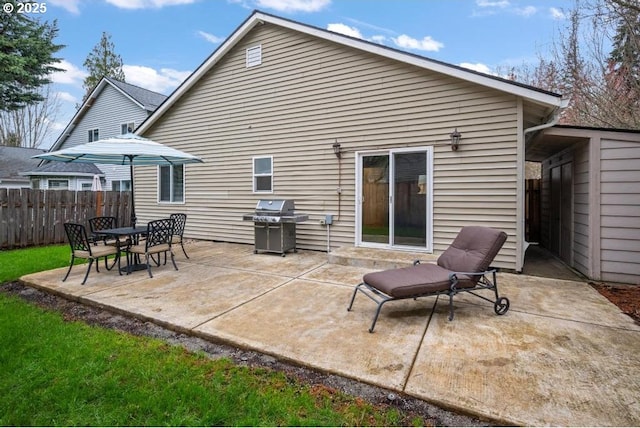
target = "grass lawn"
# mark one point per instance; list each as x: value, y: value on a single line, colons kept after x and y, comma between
x: 56, y: 373
x: 15, y: 263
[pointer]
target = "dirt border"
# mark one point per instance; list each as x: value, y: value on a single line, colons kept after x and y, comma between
x: 625, y: 297
x: 75, y: 311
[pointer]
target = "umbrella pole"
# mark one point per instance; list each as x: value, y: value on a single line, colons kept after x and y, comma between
x: 133, y: 201
x: 99, y: 203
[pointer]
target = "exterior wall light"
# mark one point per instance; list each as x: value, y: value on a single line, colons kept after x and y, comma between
x: 337, y: 149
x: 455, y: 139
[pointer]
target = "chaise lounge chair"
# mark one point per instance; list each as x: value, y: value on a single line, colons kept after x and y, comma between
x: 463, y: 267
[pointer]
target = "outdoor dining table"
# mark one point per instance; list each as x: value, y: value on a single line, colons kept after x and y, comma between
x: 134, y: 233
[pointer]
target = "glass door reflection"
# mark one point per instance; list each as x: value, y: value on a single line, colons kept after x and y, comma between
x: 375, y: 199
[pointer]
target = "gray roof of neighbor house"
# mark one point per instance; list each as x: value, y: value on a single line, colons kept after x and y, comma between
x: 13, y: 160
x: 64, y: 168
x: 148, y: 99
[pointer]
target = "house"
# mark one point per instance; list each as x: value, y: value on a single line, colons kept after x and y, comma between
x: 590, y: 197
x: 12, y: 161
x: 268, y: 108
x: 112, y: 108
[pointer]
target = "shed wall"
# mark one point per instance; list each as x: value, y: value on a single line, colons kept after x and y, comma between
x: 620, y: 211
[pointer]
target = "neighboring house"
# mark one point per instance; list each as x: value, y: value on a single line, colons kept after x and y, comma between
x: 13, y: 160
x: 591, y: 199
x: 266, y: 108
x: 113, y: 108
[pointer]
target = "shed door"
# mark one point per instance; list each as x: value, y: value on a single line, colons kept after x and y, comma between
x: 561, y: 215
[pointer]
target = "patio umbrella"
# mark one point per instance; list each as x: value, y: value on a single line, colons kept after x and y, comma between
x: 96, y: 184
x: 128, y: 149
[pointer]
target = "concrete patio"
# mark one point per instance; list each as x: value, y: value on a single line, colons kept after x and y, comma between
x: 562, y: 355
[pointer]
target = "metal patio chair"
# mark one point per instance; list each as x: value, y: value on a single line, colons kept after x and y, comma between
x: 159, y: 233
x: 81, y: 248
x: 96, y: 224
x: 463, y: 267
x: 180, y: 220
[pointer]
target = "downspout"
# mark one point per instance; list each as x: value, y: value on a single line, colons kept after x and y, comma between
x: 554, y: 121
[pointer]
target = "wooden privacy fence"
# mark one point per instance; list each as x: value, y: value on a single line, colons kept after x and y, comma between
x: 36, y: 217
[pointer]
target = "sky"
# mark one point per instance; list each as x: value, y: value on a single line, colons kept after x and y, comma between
x: 162, y: 42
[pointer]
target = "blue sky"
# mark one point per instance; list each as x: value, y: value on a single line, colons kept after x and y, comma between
x: 162, y: 41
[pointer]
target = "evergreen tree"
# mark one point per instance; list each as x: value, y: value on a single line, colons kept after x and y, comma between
x: 624, y: 58
x: 102, y: 62
x: 622, y: 76
x: 26, y: 58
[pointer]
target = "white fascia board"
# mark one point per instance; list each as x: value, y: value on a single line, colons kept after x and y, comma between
x: 59, y: 174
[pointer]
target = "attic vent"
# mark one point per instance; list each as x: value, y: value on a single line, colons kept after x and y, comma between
x: 254, y: 56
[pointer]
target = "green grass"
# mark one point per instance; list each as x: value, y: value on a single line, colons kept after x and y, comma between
x: 56, y: 373
x: 15, y: 263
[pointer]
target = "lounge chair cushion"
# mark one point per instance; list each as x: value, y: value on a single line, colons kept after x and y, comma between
x: 473, y: 250
x: 414, y: 281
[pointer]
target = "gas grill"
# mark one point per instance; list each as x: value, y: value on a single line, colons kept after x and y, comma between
x: 275, y: 225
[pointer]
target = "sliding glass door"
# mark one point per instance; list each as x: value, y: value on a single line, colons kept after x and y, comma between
x: 395, y: 198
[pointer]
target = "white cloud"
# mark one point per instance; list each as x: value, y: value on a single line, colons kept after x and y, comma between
x: 345, y: 29
x: 426, y: 44
x: 293, y: 5
x: 526, y: 11
x: 69, y: 5
x: 67, y: 97
x: 482, y: 68
x: 57, y: 126
x: 144, y: 4
x: 164, y: 81
x: 71, y: 75
x: 557, y: 13
x: 492, y: 3
x: 210, y: 37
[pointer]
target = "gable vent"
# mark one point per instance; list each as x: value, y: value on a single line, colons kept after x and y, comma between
x: 254, y: 56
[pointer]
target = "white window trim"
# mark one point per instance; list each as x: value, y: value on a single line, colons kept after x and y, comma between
x: 184, y: 190
x: 254, y: 175
x: 133, y: 127
x: 120, y: 184
x: 49, y: 180
x: 92, y: 132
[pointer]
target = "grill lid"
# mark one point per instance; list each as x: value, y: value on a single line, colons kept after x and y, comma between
x: 275, y: 206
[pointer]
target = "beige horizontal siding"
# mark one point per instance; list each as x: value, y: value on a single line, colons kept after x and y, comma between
x: 306, y: 94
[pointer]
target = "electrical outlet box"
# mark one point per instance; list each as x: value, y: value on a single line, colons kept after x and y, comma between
x: 328, y: 219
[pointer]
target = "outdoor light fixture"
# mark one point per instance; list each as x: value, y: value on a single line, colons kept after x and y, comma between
x: 455, y: 139
x: 336, y: 149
